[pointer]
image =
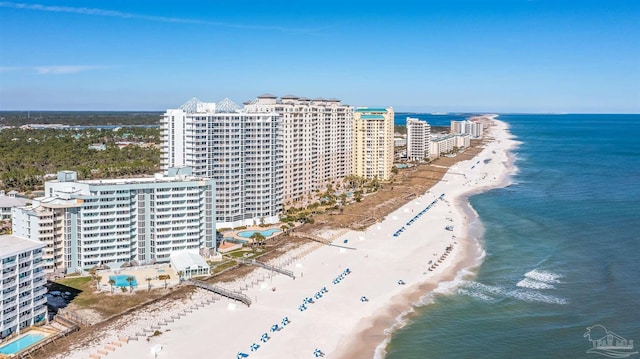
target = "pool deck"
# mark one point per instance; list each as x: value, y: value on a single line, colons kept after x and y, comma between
x: 141, y: 273
x: 234, y: 234
x: 40, y: 330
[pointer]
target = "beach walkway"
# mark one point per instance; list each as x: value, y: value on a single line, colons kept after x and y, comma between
x: 270, y: 267
x: 221, y: 291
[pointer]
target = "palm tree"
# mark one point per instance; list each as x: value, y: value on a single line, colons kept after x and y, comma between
x: 130, y: 280
x: 284, y: 228
x: 98, y: 279
x: 258, y: 238
x: 180, y: 274
x: 111, y: 283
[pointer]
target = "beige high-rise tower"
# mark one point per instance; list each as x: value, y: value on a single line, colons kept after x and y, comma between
x: 373, y: 142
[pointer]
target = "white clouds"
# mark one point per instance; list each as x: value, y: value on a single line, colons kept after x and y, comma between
x: 53, y: 70
x: 126, y: 15
x: 64, y: 70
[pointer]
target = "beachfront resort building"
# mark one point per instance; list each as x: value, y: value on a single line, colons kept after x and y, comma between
x: 241, y: 151
x: 418, y: 139
x: 23, y: 302
x: 473, y: 128
x: 373, y: 142
x: 316, y: 141
x: 113, y: 222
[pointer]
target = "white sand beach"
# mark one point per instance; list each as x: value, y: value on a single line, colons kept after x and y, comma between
x: 338, y: 323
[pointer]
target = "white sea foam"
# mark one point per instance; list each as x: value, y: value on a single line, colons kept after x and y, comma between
x: 534, y: 284
x: 535, y: 296
x: 476, y: 295
x: 529, y: 293
x: 543, y: 276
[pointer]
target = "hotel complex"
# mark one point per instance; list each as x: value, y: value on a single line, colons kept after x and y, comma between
x: 467, y: 127
x: 241, y: 151
x: 112, y: 222
x: 373, y: 142
x: 23, y: 302
x: 316, y: 141
x: 418, y: 139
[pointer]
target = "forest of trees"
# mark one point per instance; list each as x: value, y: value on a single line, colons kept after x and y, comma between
x: 79, y: 118
x: 27, y: 155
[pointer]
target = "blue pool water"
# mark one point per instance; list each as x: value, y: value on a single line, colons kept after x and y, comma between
x: 266, y: 233
x: 121, y: 280
x: 21, y: 343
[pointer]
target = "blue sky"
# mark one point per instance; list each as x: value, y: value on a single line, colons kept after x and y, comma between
x: 449, y: 55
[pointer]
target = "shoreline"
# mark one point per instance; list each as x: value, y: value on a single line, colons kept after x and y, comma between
x: 336, y: 322
x: 372, y: 338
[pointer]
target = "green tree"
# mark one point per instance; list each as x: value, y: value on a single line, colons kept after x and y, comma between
x: 111, y: 283
x: 130, y: 280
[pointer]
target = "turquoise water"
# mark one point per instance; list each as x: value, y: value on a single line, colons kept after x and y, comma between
x: 121, y: 280
x: 22, y: 343
x: 266, y: 233
x: 561, y: 249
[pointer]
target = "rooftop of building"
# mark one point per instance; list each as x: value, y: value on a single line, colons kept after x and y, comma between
x: 180, y: 174
x: 372, y: 117
x: 370, y: 109
x: 12, y: 201
x: 12, y: 245
x: 183, y: 260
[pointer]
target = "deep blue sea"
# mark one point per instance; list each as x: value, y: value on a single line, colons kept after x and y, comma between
x: 562, y: 247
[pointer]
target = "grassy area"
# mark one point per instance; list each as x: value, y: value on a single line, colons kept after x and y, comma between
x: 104, y: 303
x: 79, y: 283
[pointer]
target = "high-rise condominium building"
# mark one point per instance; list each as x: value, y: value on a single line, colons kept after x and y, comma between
x: 418, y: 139
x: 316, y: 141
x: 87, y: 223
x: 473, y: 128
x: 241, y: 151
x: 23, y: 302
x: 373, y: 142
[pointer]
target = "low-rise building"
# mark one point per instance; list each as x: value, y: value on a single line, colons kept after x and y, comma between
x: 23, y: 302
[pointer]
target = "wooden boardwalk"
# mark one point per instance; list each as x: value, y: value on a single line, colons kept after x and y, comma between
x: 221, y: 291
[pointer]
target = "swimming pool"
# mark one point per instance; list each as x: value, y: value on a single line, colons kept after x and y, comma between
x: 121, y: 280
x: 266, y: 233
x: 21, y: 343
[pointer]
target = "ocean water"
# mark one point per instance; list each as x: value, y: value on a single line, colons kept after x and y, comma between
x: 562, y: 246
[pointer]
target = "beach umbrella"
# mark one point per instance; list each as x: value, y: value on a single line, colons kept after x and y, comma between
x: 264, y: 337
x: 274, y: 328
x: 254, y: 347
x: 317, y: 353
x: 363, y: 299
x: 285, y: 321
x: 242, y: 355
